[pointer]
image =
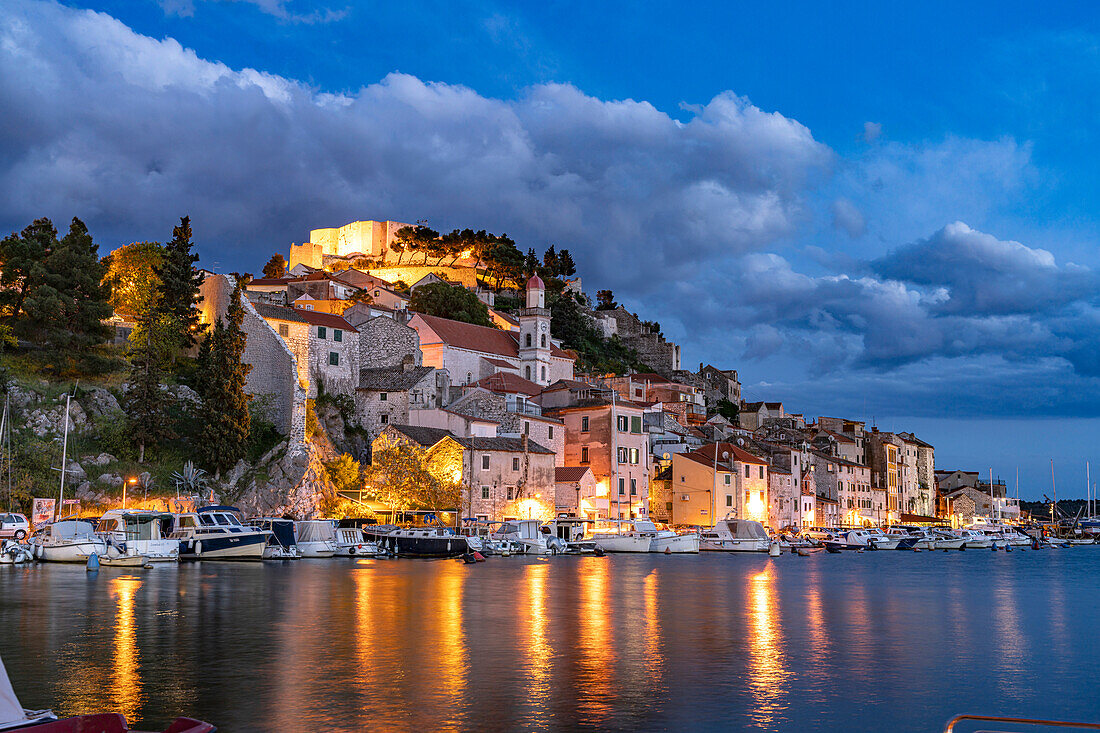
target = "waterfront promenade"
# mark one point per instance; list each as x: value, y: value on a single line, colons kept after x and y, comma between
x: 624, y: 642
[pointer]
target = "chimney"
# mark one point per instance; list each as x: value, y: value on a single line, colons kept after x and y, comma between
x: 407, y: 363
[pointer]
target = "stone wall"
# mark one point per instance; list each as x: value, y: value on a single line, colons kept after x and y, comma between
x: 341, y: 378
x: 383, y: 342
x: 274, y: 374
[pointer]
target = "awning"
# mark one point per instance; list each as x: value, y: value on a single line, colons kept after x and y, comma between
x: 921, y: 519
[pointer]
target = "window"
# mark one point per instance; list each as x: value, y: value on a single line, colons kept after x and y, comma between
x: 633, y: 487
x: 333, y: 358
x: 527, y: 340
x: 284, y: 330
x: 544, y: 341
x: 623, y: 455
x: 747, y: 469
x: 636, y: 424
x: 509, y: 493
x: 527, y: 373
x: 729, y: 500
x: 337, y: 335
x: 544, y: 374
x: 383, y: 418
x: 584, y: 454
x: 321, y: 332
x: 515, y: 464
x: 383, y: 396
x: 761, y: 472
x: 727, y: 477
x: 484, y: 492
x: 584, y: 424
x: 485, y: 463
x: 550, y: 432
x: 634, y: 456
x: 622, y: 486
x: 526, y: 427
x: 624, y: 423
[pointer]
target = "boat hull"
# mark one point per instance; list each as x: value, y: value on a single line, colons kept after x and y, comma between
x: 422, y: 546
x: 735, y: 545
x: 623, y: 543
x: 316, y: 549
x: 224, y: 547
x: 76, y: 552
x: 681, y: 543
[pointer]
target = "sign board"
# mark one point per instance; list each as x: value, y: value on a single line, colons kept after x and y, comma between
x: 42, y: 511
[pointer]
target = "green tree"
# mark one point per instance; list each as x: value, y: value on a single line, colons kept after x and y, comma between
x: 147, y: 402
x: 132, y: 277
x: 179, y: 292
x: 400, y: 478
x: 605, y: 300
x: 504, y: 260
x: 224, y: 415
x: 566, y: 266
x: 65, y: 314
x: 570, y: 323
x: 275, y: 267
x: 450, y: 301
x: 22, y: 257
x: 344, y: 473
x: 728, y: 410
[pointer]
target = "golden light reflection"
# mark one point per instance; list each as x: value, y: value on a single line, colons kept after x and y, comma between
x: 1009, y: 637
x: 125, y: 679
x: 596, y: 645
x: 819, y: 632
x: 768, y: 673
x: 538, y: 652
x: 654, y: 661
x: 452, y: 662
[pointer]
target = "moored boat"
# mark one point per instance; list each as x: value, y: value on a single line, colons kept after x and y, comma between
x: 282, y: 543
x: 735, y: 535
x: 425, y: 542
x: 316, y: 538
x: 70, y: 540
x: 134, y: 532
x: 216, y: 533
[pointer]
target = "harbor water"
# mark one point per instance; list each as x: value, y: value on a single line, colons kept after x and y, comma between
x: 710, y: 642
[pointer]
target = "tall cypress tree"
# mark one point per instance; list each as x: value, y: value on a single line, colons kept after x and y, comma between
x: 180, y: 281
x: 222, y: 375
x: 147, y: 402
x: 65, y: 313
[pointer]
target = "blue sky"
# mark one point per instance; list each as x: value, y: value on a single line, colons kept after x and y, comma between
x: 877, y: 211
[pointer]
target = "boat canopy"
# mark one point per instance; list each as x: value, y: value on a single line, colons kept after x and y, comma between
x: 283, y: 530
x: 746, y: 529
x: 318, y: 530
x: 71, y: 528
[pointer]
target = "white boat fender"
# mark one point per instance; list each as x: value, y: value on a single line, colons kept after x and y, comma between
x: 198, y: 548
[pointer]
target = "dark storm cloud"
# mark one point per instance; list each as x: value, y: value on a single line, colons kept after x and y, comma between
x: 129, y: 132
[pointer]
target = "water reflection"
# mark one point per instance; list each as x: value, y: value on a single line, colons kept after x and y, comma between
x: 125, y: 680
x: 449, y: 637
x: 767, y: 663
x: 654, y: 661
x: 595, y: 645
x: 538, y: 653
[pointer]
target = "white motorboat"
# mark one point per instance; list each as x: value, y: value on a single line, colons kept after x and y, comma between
x: 572, y: 531
x: 15, y: 553
x: 216, y: 533
x: 974, y: 539
x: 736, y: 535
x: 909, y: 538
x: 70, y: 540
x: 946, y: 539
x: 879, y: 540
x: 134, y: 532
x: 523, y: 536
x: 282, y: 543
x: 642, y: 535
x: 316, y: 538
x: 352, y: 542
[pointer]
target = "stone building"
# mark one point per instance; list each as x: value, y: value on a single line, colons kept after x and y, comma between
x: 721, y: 384
x: 385, y: 395
x: 383, y: 342
x: 898, y: 461
x: 276, y: 374
x: 503, y: 478
x: 753, y: 415
x: 331, y: 347
x: 368, y: 238
x: 783, y: 499
x: 544, y: 430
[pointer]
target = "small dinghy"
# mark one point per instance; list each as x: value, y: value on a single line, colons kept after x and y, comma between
x: 125, y: 561
x: 806, y: 551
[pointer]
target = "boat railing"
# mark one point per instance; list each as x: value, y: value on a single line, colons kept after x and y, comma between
x: 1019, y: 725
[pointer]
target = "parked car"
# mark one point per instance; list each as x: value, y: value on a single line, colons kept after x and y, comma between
x: 14, y: 526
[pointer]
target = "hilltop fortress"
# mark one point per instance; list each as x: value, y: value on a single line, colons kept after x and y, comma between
x: 365, y: 245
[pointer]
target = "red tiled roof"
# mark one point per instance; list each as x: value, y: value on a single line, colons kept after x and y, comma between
x: 737, y: 453
x: 269, y: 281
x: 485, y: 339
x: 499, y: 362
x: 569, y: 474
x: 317, y: 318
x: 508, y: 382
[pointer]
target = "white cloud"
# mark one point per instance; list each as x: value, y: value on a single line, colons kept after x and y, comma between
x: 871, y: 131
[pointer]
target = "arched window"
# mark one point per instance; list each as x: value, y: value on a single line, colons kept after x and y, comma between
x: 527, y: 370
x: 544, y: 374
x: 528, y: 339
x: 544, y: 341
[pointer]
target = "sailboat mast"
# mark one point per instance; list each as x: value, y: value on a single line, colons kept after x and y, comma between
x: 3, y: 432
x: 992, y: 499
x: 1054, y: 488
x: 1088, y: 492
x: 64, y: 458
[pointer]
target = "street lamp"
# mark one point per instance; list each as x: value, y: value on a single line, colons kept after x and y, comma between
x: 124, y: 485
